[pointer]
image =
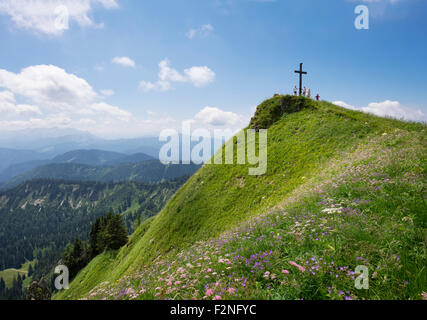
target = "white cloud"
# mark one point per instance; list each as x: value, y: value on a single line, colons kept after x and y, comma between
x: 50, y: 97
x: 124, y: 62
x: 9, y: 107
x: 344, y: 105
x: 107, y: 92
x: 48, y: 86
x: 106, y: 109
x: 198, y: 76
x: 52, y: 17
x: 217, y: 117
x: 202, y: 32
x: 212, y: 118
x: 389, y: 109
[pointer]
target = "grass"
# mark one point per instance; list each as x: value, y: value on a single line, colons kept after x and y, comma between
x: 9, y: 274
x: 320, y: 158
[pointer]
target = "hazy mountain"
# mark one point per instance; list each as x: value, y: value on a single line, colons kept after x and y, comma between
x: 99, y: 157
x: 11, y: 156
x: 146, y: 171
x: 88, y: 157
x: 55, y: 141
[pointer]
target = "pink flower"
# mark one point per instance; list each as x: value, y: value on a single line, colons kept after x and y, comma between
x: 302, y: 269
x: 231, y: 290
x: 285, y: 271
x: 128, y: 291
x: 217, y: 298
x: 209, y: 292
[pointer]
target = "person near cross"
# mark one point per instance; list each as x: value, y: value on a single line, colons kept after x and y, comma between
x: 317, y: 97
x: 304, y: 92
x: 295, y: 90
x: 308, y: 93
x: 300, y: 72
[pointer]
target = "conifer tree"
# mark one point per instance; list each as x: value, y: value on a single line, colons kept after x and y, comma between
x: 115, y: 233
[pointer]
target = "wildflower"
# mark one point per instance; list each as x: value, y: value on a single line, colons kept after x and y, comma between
x: 231, y: 290
x: 285, y: 271
x: 209, y: 292
x: 302, y: 269
x: 217, y: 298
x: 130, y: 291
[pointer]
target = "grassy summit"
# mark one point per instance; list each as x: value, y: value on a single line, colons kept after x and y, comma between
x: 342, y: 189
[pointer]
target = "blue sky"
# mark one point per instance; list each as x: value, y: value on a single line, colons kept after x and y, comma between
x: 123, y: 68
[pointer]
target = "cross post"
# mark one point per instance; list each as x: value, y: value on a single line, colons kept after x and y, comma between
x: 300, y: 77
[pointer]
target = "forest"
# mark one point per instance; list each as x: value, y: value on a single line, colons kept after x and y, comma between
x: 39, y: 218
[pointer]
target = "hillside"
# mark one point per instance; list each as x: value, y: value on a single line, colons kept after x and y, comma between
x: 147, y: 171
x: 342, y: 189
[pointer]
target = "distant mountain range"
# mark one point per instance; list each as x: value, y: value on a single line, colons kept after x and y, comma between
x: 83, y: 157
x: 49, y: 143
x: 21, y: 152
x: 10, y: 157
x: 95, y: 165
x: 99, y: 157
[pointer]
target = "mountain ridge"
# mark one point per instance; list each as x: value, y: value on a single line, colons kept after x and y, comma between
x: 316, y: 153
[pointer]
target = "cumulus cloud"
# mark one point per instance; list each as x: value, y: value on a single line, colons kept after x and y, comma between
x: 48, y: 86
x: 52, y: 17
x: 344, y: 105
x: 212, y: 118
x: 217, y: 117
x: 9, y: 107
x: 198, y: 76
x: 113, y: 111
x: 124, y: 62
x: 202, y: 32
x: 393, y: 109
x: 46, y: 96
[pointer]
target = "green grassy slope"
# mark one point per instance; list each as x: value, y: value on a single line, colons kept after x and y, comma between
x: 310, y: 145
x: 9, y: 274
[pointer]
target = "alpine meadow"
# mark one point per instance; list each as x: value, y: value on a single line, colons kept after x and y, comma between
x: 216, y: 159
x: 343, y: 188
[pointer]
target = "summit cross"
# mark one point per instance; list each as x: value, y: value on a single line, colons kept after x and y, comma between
x: 300, y: 77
